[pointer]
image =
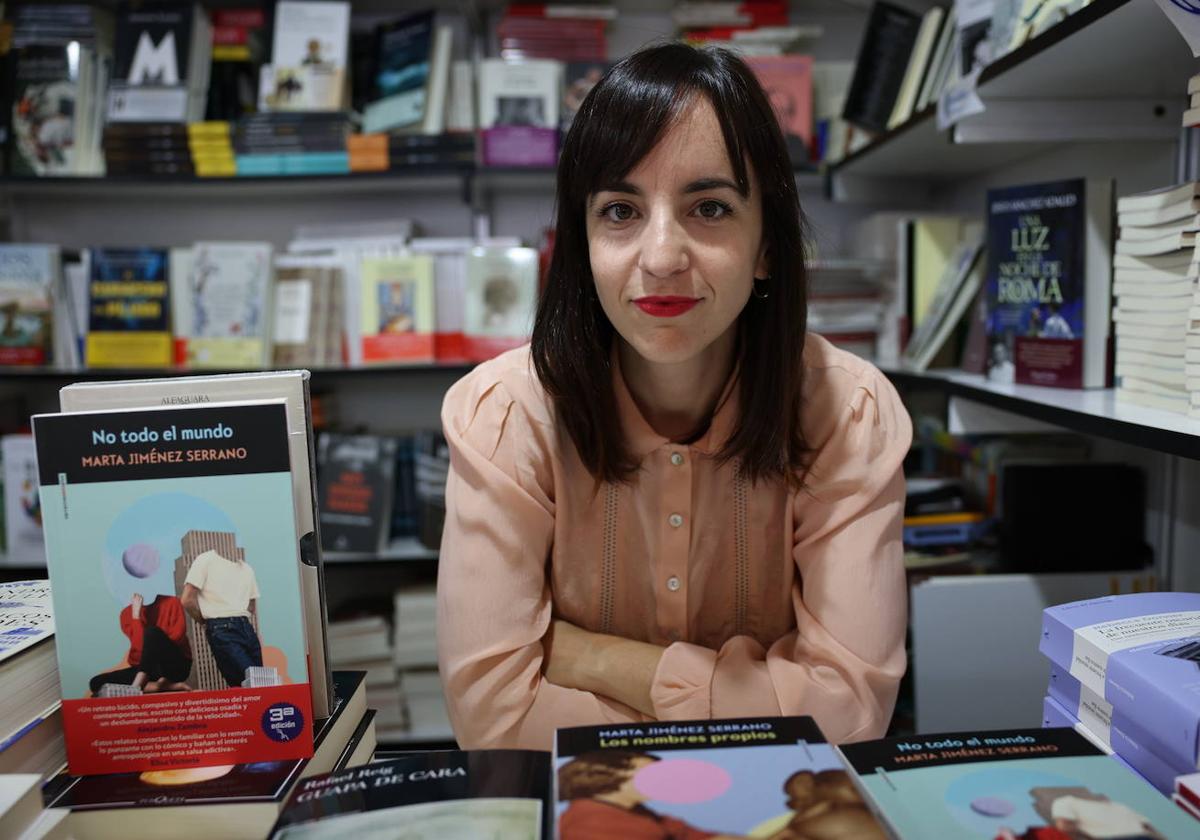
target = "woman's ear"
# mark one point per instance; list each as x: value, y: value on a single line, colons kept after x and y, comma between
x: 762, y: 268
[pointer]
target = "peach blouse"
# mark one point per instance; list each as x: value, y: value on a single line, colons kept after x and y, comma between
x: 768, y: 601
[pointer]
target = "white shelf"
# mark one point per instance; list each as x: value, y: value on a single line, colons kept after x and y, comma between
x: 409, y: 548
x: 1094, y: 411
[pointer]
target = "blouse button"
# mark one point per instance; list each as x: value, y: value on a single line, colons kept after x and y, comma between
x: 676, y: 459
x: 673, y: 583
x: 675, y: 519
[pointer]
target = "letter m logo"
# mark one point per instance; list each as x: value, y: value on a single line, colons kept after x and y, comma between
x: 154, y: 64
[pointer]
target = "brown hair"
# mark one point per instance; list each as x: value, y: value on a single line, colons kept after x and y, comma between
x: 594, y: 773
x: 619, y: 123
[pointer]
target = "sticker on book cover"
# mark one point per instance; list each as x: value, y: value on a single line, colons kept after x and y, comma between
x: 282, y: 722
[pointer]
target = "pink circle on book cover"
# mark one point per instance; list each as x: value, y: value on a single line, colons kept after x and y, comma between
x: 140, y: 560
x: 681, y: 781
x: 992, y: 806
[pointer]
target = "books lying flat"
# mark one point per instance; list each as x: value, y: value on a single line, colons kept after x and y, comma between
x: 1157, y: 199
x: 1140, y: 653
x: 230, y: 802
x: 1026, y: 782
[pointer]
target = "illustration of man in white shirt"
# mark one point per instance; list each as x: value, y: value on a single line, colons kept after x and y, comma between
x: 1096, y: 816
x: 221, y: 595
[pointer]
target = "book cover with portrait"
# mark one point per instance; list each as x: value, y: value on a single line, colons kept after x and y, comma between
x: 746, y: 777
x: 170, y: 541
x: 1019, y: 784
x: 502, y: 291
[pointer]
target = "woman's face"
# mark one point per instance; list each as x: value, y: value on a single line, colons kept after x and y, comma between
x: 674, y: 247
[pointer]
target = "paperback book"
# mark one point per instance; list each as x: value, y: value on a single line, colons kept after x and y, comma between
x: 397, y: 317
x: 293, y: 388
x: 355, y: 484
x: 1049, y: 281
x: 1140, y: 653
x: 128, y: 309
x: 22, y: 524
x: 30, y: 277
x: 759, y: 777
x: 161, y: 63
x: 1022, y: 783
x: 453, y: 794
x: 502, y: 288
x: 225, y: 304
x: 174, y: 571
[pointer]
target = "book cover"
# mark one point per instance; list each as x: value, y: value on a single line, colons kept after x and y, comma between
x: 30, y: 275
x: 888, y: 40
x: 787, y: 80
x: 293, y: 388
x: 307, y: 322
x: 525, y: 93
x: 1020, y: 783
x: 152, y: 62
x: 579, y: 77
x: 1141, y: 653
x: 403, y: 54
x: 23, y: 541
x: 174, y: 568
x: 397, y: 318
x: 1048, y: 283
x: 226, y: 801
x: 309, y: 57
x: 452, y: 794
x: 44, y: 103
x: 228, y: 287
x: 26, y: 617
x: 502, y: 289
x: 355, y: 480
x: 128, y: 309
x: 761, y: 777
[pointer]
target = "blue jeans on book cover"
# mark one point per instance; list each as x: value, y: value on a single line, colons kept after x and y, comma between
x: 234, y: 645
x: 160, y: 658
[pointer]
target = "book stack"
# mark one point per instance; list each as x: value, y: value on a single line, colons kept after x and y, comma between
x: 1157, y: 313
x: 365, y: 644
x: 845, y: 304
x: 567, y: 33
x: 1122, y: 673
x: 292, y: 143
x: 415, y: 653
x: 31, y: 731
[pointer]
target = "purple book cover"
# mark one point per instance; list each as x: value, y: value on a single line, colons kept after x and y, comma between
x: 1125, y: 738
x: 1141, y: 653
x: 1056, y: 716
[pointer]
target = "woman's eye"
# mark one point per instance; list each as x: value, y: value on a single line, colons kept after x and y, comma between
x: 617, y: 212
x: 714, y: 209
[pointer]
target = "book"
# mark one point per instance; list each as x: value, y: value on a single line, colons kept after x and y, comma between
x: 355, y: 475
x: 787, y: 81
x: 1135, y: 651
x: 43, y: 111
x: 23, y: 541
x: 30, y: 281
x: 184, y: 662
x: 748, y: 776
x: 309, y: 57
x: 128, y: 309
x: 579, y: 77
x: 227, y: 289
x: 307, y: 321
x: 918, y: 65
x: 31, y: 735
x: 397, y: 316
x: 484, y: 793
x: 960, y: 285
x: 883, y: 54
x: 502, y: 287
x: 233, y: 802
x: 525, y: 93
x: 412, y: 74
x: 20, y: 802
x: 1049, y: 275
x: 1007, y: 783
x: 291, y: 386
x: 161, y: 63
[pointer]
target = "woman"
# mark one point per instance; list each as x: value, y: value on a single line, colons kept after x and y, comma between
x: 675, y: 504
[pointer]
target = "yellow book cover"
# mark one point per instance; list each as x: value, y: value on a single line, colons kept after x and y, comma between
x: 128, y: 309
x: 934, y: 241
x: 397, y: 309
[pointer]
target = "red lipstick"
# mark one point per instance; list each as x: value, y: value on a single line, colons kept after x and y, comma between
x: 665, y: 306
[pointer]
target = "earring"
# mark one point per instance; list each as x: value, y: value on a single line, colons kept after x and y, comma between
x: 760, y: 293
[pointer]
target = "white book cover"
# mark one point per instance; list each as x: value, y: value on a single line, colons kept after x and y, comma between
x: 308, y: 32
x: 502, y: 285
x: 29, y: 276
x: 24, y: 543
x: 525, y: 93
x: 228, y: 290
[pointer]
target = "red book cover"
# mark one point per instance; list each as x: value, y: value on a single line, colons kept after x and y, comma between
x: 787, y: 79
x: 175, y: 573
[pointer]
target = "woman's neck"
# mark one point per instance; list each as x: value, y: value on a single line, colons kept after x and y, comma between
x: 677, y: 399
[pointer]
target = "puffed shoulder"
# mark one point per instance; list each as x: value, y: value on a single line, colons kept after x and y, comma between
x: 854, y: 422
x: 500, y: 409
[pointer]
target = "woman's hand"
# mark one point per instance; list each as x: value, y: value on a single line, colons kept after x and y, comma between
x: 612, y: 666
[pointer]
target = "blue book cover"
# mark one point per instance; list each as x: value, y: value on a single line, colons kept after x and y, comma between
x: 129, y: 309
x: 1019, y: 783
x: 171, y: 547
x: 1047, y: 283
x: 757, y: 777
x: 1140, y: 653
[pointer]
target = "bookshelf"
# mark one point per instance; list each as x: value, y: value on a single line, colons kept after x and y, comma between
x: 1071, y: 62
x: 1092, y: 412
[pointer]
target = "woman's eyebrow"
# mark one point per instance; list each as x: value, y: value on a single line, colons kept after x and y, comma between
x: 699, y: 185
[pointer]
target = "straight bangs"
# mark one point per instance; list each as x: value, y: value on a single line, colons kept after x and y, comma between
x: 622, y: 119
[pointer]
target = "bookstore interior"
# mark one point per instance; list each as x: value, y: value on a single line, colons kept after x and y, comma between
x: 248, y: 246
